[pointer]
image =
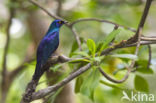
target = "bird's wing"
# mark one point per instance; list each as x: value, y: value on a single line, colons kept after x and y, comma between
x: 47, y: 46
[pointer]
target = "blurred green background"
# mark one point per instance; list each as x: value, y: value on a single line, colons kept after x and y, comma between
x: 29, y: 26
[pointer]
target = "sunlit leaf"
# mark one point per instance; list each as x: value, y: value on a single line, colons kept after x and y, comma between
x: 128, y: 56
x: 91, y: 46
x: 79, y: 61
x: 109, y: 38
x: 82, y: 53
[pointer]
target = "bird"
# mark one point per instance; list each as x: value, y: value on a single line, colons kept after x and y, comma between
x: 47, y: 47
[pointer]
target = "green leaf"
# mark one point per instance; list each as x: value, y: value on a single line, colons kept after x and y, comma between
x: 99, y: 45
x: 90, y: 83
x: 79, y: 61
x: 128, y: 56
x: 109, y: 38
x: 82, y: 53
x: 141, y: 84
x: 91, y: 46
x: 124, y: 35
x: 78, y: 84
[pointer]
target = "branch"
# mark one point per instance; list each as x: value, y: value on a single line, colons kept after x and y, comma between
x: 58, y: 12
x: 45, y: 10
x: 101, y: 20
x: 12, y: 13
x: 148, y: 38
x: 113, y: 80
x: 5, y: 78
x: 141, y: 43
x: 31, y: 87
x: 150, y: 56
x: 142, y: 21
x: 144, y: 16
x: 77, y: 38
x: 44, y: 92
x: 137, y: 48
x: 139, y: 30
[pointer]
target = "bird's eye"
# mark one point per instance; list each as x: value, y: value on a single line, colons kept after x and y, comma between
x: 60, y: 22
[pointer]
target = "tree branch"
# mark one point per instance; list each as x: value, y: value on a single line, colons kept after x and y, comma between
x: 101, y: 20
x: 12, y: 13
x: 77, y: 38
x: 144, y: 16
x: 148, y: 38
x: 5, y: 85
x: 150, y: 56
x: 44, y: 92
x: 59, y: 7
x: 45, y: 10
x: 142, y: 21
x: 139, y: 30
x: 113, y: 80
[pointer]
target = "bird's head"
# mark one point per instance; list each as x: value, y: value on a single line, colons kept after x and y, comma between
x: 58, y: 23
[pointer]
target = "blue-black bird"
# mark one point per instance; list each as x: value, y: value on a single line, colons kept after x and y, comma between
x: 47, y: 47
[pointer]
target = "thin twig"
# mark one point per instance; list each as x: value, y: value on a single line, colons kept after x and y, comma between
x: 111, y: 85
x: 45, y: 10
x: 150, y: 56
x: 113, y: 80
x: 59, y: 7
x: 4, y: 84
x: 148, y: 38
x: 137, y: 48
x: 142, y: 43
x: 12, y: 13
x: 139, y: 30
x: 144, y: 16
x: 142, y: 21
x: 77, y: 38
x: 101, y: 20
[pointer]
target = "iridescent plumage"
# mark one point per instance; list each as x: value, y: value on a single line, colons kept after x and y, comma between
x: 47, y: 46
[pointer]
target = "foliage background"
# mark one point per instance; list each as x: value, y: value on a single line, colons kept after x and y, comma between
x: 125, y: 12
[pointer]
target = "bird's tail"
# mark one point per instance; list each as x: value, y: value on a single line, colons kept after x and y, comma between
x: 33, y: 83
x: 38, y: 72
